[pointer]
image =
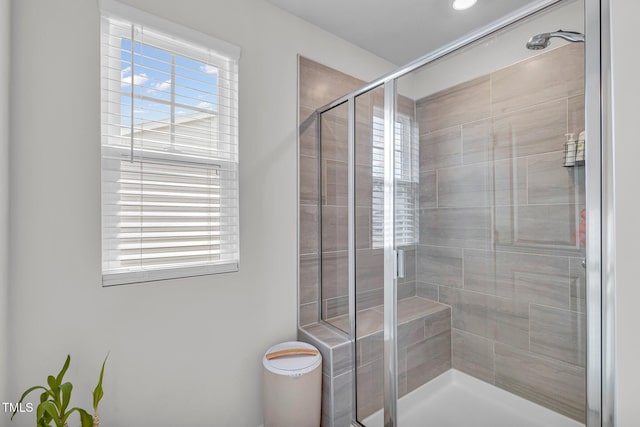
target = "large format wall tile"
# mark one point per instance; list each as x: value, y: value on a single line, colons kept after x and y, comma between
x: 334, y: 183
x: 364, y: 186
x: 437, y: 323
x: 308, y: 132
x: 369, y: 269
x: 308, y: 180
x: 508, y: 182
x: 488, y: 183
x: 334, y: 228
x: 405, y: 290
x: 335, y: 136
x: 428, y: 359
x: 500, y: 319
x: 370, y: 388
x: 472, y: 354
x: 427, y: 290
x: 576, y: 112
x: 336, y: 307
x: 549, y: 183
x: 308, y: 313
x: 439, y: 149
x: 558, y: 73
x: 466, y: 186
x: 442, y: 109
x: 524, y: 277
x: 308, y: 229
x: 342, y: 395
x: 428, y: 190
x: 309, y: 265
x: 335, y: 274
x: 440, y: 265
x: 477, y: 142
x: 537, y: 228
x: 371, y: 298
x: 319, y: 84
x: 557, y: 385
x: 363, y: 228
x: 560, y: 334
x: 534, y: 130
x: 370, y: 348
x: 458, y: 227
x: 364, y: 145
x: 410, y: 332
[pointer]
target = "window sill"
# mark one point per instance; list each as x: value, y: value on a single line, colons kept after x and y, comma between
x: 130, y: 277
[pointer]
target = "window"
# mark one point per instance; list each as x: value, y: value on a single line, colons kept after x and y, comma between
x: 169, y: 150
x: 406, y: 174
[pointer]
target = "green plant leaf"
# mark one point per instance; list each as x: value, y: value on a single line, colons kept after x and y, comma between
x: 51, y: 380
x: 40, y: 411
x: 64, y: 370
x: 98, y: 393
x: 25, y: 394
x: 86, y: 420
x: 52, y: 410
x: 45, y: 413
x: 66, y: 396
x: 44, y: 396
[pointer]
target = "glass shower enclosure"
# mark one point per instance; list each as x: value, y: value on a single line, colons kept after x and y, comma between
x: 459, y: 217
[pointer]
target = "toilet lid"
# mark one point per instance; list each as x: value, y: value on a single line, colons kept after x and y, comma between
x: 294, y: 365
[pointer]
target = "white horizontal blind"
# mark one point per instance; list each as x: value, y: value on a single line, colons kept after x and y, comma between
x: 169, y: 156
x: 406, y: 181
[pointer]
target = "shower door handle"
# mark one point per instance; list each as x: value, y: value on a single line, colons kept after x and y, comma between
x: 400, y: 264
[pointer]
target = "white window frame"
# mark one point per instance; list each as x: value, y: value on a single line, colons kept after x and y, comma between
x: 116, y: 10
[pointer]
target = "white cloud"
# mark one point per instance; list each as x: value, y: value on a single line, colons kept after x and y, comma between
x: 209, y: 69
x: 138, y: 79
x: 206, y: 105
x: 162, y: 85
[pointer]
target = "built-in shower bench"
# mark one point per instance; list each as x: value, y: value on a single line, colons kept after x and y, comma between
x: 424, y: 352
x: 412, y: 310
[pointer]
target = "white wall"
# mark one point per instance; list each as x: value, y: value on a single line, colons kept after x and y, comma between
x: 183, y: 352
x: 4, y: 191
x: 626, y: 105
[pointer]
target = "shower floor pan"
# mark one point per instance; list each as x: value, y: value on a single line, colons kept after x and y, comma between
x: 455, y: 399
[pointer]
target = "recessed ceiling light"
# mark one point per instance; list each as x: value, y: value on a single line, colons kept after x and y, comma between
x: 463, y: 4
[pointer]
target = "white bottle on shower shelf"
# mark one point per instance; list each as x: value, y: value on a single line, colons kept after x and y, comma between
x: 569, y: 151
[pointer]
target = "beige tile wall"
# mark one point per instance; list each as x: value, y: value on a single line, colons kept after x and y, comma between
x: 317, y: 86
x: 498, y: 213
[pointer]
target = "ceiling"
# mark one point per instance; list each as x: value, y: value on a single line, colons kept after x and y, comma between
x: 398, y: 30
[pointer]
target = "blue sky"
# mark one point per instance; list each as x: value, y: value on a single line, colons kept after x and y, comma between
x: 196, y: 84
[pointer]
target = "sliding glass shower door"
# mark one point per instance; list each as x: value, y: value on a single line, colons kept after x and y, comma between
x: 459, y: 232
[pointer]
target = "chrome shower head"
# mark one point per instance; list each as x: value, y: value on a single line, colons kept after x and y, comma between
x: 540, y: 41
